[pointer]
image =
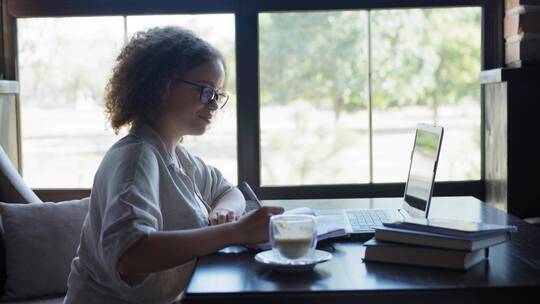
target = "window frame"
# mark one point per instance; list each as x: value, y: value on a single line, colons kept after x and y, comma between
x: 247, y: 71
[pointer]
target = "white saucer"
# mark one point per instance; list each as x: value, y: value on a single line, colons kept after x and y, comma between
x: 267, y: 258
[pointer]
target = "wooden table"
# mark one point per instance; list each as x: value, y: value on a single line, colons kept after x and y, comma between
x: 512, y: 271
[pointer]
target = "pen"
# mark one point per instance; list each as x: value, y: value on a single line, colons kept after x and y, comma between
x: 248, y: 192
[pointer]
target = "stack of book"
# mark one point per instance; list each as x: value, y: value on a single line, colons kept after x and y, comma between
x: 436, y: 243
x: 522, y: 32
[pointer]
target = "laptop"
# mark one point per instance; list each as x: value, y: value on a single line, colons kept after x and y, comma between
x: 418, y: 189
x: 416, y: 199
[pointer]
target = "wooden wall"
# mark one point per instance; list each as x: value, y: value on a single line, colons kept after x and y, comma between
x: 9, y: 131
x: 512, y: 132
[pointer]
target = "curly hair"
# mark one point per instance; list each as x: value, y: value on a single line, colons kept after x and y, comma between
x: 147, y: 67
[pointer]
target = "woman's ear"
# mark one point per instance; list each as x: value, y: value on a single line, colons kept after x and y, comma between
x: 166, y: 91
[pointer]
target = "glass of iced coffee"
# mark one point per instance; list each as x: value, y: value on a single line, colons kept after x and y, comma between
x: 293, y: 237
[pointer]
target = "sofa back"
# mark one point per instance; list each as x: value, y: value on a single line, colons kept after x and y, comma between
x: 14, y: 190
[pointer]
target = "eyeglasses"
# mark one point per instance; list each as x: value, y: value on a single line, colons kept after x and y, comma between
x: 209, y: 94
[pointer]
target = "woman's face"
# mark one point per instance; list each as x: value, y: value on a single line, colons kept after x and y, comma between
x: 182, y: 107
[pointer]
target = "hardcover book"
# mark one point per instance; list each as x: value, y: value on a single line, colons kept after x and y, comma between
x: 439, y: 241
x: 388, y: 252
x: 455, y: 228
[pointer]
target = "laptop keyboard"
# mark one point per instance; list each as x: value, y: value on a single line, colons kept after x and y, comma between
x: 367, y: 219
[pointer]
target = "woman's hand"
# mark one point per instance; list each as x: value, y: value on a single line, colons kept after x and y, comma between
x: 228, y: 208
x: 221, y: 216
x: 253, y: 226
x: 163, y: 250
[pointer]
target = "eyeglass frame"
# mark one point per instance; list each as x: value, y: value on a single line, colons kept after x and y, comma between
x: 214, y: 92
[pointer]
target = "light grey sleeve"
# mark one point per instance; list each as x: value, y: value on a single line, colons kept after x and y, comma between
x: 210, y: 182
x: 131, y: 212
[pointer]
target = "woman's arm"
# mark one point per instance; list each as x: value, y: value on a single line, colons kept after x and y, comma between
x: 228, y: 208
x: 166, y: 249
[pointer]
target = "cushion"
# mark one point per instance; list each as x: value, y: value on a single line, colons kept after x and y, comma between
x: 45, y: 300
x: 2, y: 259
x: 14, y: 190
x: 40, y: 241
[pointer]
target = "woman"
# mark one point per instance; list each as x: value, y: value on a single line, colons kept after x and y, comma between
x: 154, y: 206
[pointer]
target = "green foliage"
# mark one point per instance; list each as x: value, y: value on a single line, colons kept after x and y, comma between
x: 419, y: 57
x: 305, y: 56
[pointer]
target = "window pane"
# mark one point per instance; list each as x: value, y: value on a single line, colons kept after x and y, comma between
x: 218, y: 145
x: 426, y: 69
x: 313, y: 86
x: 64, y: 64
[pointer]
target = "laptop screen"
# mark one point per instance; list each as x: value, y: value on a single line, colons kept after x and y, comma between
x: 422, y: 168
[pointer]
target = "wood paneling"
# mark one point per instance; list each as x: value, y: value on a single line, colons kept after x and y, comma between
x: 9, y: 131
x: 60, y: 8
x: 496, y: 145
x: 474, y: 188
x: 247, y: 109
x: 57, y: 8
x: 492, y: 34
x: 512, y: 163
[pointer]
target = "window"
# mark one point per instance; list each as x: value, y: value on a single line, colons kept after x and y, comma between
x: 314, y: 92
x: 426, y: 71
x: 63, y: 68
x: 326, y: 100
x: 64, y: 65
x: 317, y: 98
